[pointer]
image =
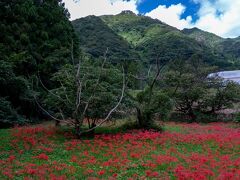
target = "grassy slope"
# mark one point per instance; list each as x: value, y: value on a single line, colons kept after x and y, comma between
x: 136, y: 29
x: 152, y: 38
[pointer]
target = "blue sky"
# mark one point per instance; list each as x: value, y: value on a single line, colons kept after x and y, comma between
x: 191, y: 7
x: 221, y: 17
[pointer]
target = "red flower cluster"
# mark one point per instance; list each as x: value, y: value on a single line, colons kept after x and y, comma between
x: 42, y: 157
x: 185, y: 151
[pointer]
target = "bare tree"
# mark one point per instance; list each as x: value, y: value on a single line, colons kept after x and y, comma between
x: 78, y: 103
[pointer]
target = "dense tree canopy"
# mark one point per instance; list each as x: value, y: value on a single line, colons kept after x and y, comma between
x: 35, y: 39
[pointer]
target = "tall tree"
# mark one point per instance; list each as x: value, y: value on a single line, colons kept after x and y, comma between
x: 36, y: 36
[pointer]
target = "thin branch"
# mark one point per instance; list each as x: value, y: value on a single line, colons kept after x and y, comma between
x: 143, y: 78
x: 79, y: 94
x: 72, y: 56
x: 64, y: 89
x: 61, y: 113
x: 45, y: 110
x: 139, y: 78
x: 79, y: 87
x: 51, y: 116
x: 48, y: 89
x: 78, y: 70
x: 149, y: 71
x: 67, y: 75
x: 96, y: 85
x: 159, y: 68
x: 113, y: 109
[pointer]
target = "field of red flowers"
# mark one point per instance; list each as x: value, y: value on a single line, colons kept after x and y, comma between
x: 183, y: 151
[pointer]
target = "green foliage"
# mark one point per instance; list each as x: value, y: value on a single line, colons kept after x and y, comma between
x: 227, y: 50
x: 221, y: 96
x: 187, y: 82
x: 135, y: 29
x: 91, y: 94
x: 197, y: 95
x: 209, y: 39
x: 149, y: 102
x: 237, y: 118
x: 36, y: 38
x: 230, y: 48
x: 8, y: 115
x: 95, y: 37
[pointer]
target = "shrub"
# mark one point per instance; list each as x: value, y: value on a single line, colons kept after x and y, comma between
x: 8, y: 116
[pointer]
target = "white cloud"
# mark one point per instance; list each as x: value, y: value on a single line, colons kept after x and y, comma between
x: 221, y: 17
x: 171, y: 15
x: 82, y: 8
x: 227, y: 24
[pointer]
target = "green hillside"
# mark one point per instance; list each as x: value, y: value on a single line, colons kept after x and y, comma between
x: 136, y: 29
x: 95, y: 37
x: 231, y: 47
x: 227, y: 48
x: 208, y: 39
x: 132, y: 36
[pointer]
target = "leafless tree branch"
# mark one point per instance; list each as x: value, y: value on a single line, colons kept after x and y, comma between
x: 96, y: 85
x: 113, y: 109
x: 72, y: 56
x: 48, y: 89
x: 159, y: 68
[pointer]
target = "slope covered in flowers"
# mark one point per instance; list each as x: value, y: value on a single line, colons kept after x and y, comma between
x: 183, y: 151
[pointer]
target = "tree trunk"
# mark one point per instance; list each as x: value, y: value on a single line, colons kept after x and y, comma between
x: 144, y: 118
x: 57, y: 123
x: 92, y: 132
x: 139, y: 117
x: 193, y: 117
x: 77, y: 127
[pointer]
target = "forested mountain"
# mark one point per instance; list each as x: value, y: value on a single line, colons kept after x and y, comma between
x: 95, y: 37
x: 208, y: 39
x: 151, y: 39
x: 229, y: 48
x: 35, y: 40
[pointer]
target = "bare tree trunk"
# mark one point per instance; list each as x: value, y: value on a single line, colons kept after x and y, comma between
x: 140, y: 117
x: 144, y: 118
x: 57, y: 123
x: 89, y: 124
x: 193, y: 117
x: 77, y: 127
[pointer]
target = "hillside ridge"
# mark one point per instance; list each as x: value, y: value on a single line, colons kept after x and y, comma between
x: 132, y: 36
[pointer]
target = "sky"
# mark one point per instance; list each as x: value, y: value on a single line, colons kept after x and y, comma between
x: 221, y: 17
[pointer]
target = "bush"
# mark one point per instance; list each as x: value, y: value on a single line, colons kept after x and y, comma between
x: 237, y: 117
x: 9, y: 116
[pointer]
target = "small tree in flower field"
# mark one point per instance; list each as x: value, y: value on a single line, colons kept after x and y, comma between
x: 151, y: 100
x: 87, y: 90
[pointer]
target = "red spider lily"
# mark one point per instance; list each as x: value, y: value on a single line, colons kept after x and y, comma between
x: 198, y: 152
x: 101, y: 172
x: 42, y: 157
